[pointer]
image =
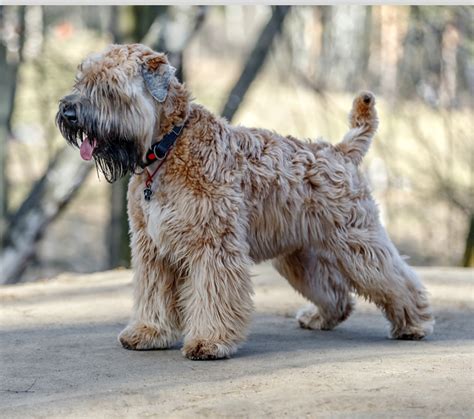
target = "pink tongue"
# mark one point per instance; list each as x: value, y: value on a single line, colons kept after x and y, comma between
x: 87, y: 148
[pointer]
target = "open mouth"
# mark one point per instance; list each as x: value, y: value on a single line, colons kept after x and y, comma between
x: 87, y: 148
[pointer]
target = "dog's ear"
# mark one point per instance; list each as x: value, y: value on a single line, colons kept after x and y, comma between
x: 157, y: 74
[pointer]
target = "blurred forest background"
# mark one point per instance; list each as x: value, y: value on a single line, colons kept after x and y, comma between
x: 294, y: 70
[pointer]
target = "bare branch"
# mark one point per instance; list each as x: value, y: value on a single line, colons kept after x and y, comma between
x: 47, y: 198
x: 255, y: 61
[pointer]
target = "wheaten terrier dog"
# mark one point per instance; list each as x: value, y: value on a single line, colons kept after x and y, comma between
x: 207, y: 200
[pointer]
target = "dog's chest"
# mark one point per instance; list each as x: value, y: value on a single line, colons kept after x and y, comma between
x: 155, y: 209
x: 148, y: 215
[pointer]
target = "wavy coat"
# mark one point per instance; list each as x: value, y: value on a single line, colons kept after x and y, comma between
x: 230, y: 196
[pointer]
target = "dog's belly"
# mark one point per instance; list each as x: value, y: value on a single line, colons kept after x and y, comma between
x: 275, y: 229
x: 265, y: 248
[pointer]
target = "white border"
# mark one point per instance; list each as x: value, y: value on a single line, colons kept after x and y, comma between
x: 238, y: 2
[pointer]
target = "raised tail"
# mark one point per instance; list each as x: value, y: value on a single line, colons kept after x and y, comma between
x: 363, y: 122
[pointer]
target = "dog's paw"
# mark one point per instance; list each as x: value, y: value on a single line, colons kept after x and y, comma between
x: 363, y: 110
x: 141, y: 337
x: 413, y: 332
x: 207, y: 349
x: 310, y: 318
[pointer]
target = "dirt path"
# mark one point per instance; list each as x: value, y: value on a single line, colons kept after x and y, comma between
x: 60, y: 358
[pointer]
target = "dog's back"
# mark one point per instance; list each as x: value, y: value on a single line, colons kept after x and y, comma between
x: 288, y: 183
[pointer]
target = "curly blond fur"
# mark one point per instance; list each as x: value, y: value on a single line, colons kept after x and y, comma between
x: 227, y: 197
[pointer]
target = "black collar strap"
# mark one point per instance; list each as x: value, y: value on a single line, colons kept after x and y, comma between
x: 159, y: 150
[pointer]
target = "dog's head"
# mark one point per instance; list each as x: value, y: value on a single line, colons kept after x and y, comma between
x: 122, y: 98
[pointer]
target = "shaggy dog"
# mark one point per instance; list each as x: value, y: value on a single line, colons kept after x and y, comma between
x: 218, y: 198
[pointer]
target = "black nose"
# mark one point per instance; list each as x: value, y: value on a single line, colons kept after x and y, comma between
x: 69, y: 112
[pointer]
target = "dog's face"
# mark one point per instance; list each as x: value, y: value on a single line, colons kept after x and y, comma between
x: 115, y: 105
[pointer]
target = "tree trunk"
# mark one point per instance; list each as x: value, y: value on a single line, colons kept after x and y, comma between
x: 468, y: 259
x: 344, y: 54
x: 118, y: 241
x: 16, y: 65
x: 8, y: 81
x: 5, y: 92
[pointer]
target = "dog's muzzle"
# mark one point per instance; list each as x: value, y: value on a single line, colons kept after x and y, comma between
x: 69, y: 112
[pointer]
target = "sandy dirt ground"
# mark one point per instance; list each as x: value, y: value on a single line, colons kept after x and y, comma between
x: 60, y: 358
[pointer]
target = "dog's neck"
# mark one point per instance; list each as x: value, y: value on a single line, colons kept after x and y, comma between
x: 160, y: 149
x: 171, y: 117
x: 174, y: 111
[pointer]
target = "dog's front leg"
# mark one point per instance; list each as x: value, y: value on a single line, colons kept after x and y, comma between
x: 216, y: 297
x: 217, y: 304
x: 155, y: 322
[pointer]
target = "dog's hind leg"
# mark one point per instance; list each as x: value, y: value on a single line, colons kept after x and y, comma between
x: 378, y: 272
x: 315, y: 275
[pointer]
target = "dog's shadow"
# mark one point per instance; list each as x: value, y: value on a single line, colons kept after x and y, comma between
x: 272, y: 334
x: 275, y: 335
